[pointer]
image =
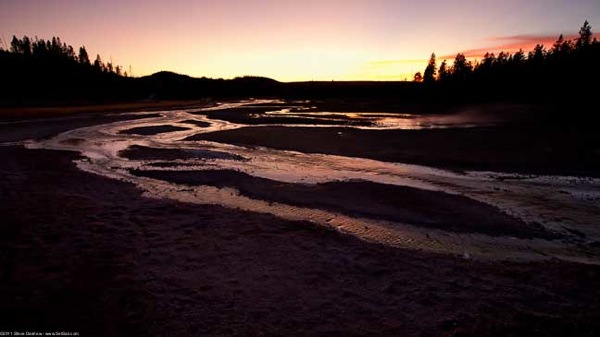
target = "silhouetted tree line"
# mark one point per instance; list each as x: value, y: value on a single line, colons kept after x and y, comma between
x: 36, y: 71
x: 54, y: 49
x: 43, y: 72
x: 558, y: 73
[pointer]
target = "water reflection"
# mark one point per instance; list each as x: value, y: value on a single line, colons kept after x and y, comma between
x: 386, y: 120
x: 112, y: 150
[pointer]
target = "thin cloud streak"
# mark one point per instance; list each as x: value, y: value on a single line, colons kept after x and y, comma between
x: 511, y: 45
x: 532, y: 38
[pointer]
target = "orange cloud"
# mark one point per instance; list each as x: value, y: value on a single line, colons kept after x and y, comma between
x: 510, y: 44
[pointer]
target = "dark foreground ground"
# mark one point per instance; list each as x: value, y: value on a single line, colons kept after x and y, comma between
x: 84, y: 253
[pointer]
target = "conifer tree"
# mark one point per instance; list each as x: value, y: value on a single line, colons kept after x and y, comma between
x: 431, y: 70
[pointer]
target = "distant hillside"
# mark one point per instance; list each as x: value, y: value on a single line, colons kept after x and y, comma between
x: 169, y: 85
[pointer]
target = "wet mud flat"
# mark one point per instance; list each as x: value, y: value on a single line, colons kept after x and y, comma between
x: 487, y: 137
x: 152, y: 130
x: 82, y: 252
x: 529, y: 150
x: 90, y: 254
x: 401, y: 204
x: 137, y: 152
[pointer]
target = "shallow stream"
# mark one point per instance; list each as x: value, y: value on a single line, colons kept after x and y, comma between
x: 568, y: 206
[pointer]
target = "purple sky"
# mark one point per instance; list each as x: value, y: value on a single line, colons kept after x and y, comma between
x: 293, y: 40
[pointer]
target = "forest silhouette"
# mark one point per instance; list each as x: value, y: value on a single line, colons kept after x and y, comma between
x: 560, y: 73
x: 40, y: 72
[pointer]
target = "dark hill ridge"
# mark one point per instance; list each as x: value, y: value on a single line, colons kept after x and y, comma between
x: 170, y: 85
x: 167, y: 75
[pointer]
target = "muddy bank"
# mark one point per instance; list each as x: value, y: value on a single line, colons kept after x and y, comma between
x: 137, y: 152
x: 196, y: 123
x: 83, y: 253
x: 530, y: 150
x: 152, y: 130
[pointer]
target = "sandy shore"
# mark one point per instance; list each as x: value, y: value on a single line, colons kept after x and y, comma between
x: 89, y: 254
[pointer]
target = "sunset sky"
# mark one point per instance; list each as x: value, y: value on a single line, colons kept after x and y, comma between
x: 292, y: 40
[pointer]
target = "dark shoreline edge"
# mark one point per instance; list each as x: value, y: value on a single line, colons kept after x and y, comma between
x: 46, y: 128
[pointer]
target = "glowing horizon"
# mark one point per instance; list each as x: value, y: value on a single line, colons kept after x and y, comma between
x: 294, y: 40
